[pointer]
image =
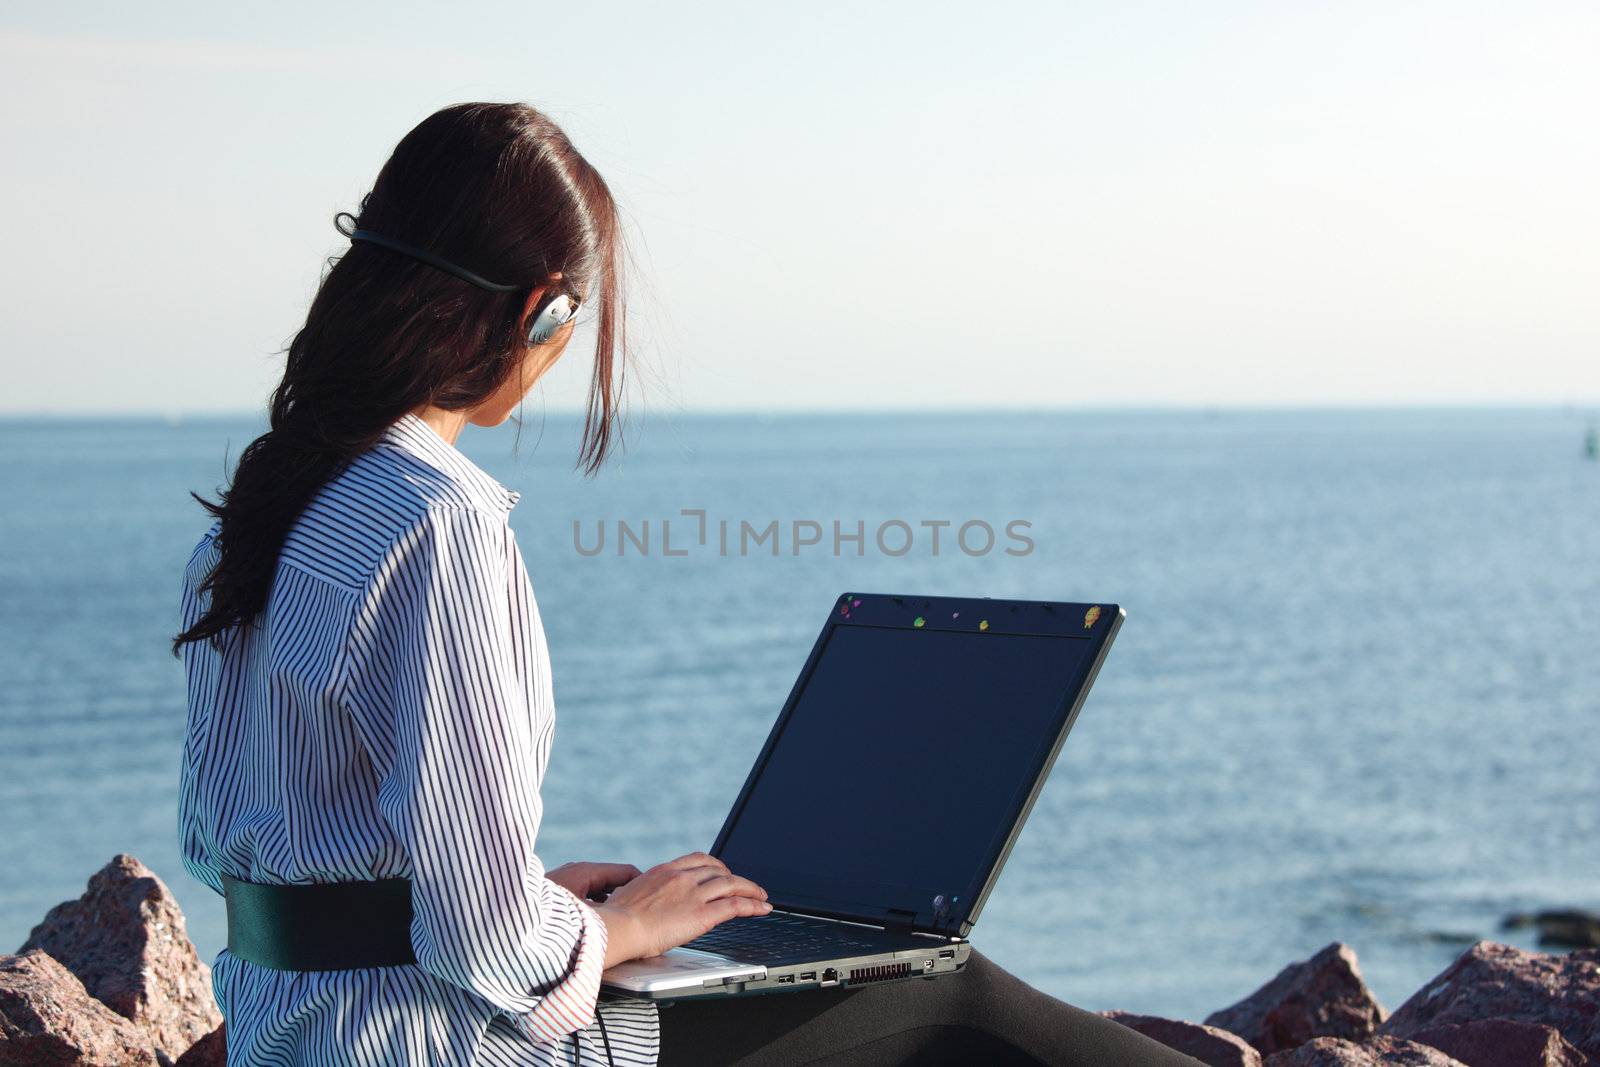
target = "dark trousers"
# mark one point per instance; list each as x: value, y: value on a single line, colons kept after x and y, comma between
x: 981, y: 1014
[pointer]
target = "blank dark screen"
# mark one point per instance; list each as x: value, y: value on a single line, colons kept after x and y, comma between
x: 902, y: 764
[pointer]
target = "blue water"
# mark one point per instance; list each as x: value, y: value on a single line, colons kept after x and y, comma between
x: 1355, y: 699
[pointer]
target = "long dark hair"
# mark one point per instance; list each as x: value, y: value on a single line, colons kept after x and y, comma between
x: 496, y: 188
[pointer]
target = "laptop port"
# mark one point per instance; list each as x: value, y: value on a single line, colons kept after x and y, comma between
x: 947, y: 954
x: 809, y: 976
x: 785, y: 979
x: 830, y: 977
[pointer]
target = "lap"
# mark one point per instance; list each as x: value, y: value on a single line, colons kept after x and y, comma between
x: 981, y: 1014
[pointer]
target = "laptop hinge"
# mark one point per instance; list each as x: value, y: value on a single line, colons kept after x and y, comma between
x: 895, y: 919
x: 899, y: 919
x: 826, y: 918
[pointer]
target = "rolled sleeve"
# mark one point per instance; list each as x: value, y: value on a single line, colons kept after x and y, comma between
x: 571, y: 1005
x: 454, y: 727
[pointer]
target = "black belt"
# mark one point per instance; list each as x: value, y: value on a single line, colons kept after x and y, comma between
x: 327, y: 926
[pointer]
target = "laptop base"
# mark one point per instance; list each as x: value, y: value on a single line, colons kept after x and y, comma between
x: 685, y: 973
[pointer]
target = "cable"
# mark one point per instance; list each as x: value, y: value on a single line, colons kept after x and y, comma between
x: 422, y: 255
x: 603, y: 1037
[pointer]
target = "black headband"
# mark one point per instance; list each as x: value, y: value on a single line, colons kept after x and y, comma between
x: 422, y: 255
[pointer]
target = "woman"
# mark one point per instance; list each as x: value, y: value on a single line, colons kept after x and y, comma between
x: 370, y: 708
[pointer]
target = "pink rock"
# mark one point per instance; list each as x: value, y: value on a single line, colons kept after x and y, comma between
x: 1324, y: 996
x: 1216, y: 1048
x: 47, y: 1019
x: 126, y: 940
x: 209, y: 1051
x: 1376, y: 1052
x: 1503, y: 1043
x: 1495, y: 981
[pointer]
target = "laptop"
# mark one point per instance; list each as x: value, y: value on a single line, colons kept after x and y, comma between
x: 889, y: 793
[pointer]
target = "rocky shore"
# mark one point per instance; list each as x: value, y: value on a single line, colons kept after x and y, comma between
x: 112, y: 978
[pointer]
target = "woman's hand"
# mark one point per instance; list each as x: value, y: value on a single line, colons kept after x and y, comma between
x: 674, y: 902
x: 592, y: 881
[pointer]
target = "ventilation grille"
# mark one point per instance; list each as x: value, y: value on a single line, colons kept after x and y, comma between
x: 881, y: 973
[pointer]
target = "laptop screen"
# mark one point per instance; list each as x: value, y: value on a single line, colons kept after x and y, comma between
x: 902, y: 767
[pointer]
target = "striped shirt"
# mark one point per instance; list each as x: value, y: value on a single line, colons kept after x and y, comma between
x: 390, y: 715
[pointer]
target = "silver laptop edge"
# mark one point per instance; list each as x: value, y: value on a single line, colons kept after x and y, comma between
x: 686, y: 972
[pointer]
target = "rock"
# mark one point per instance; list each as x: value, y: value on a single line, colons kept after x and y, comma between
x: 209, y: 1051
x: 1385, y: 1051
x: 1495, y: 981
x: 1559, y: 929
x: 1216, y: 1048
x: 1323, y: 996
x: 48, y: 1019
x: 1503, y: 1043
x: 126, y: 940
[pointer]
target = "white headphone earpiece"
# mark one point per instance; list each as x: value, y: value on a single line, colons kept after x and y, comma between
x: 553, y: 311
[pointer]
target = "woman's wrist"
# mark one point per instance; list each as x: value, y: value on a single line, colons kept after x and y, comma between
x: 622, y: 933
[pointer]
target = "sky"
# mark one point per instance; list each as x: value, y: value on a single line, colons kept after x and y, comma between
x: 852, y: 205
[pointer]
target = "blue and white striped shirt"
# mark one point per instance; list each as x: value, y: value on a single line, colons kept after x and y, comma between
x: 390, y: 715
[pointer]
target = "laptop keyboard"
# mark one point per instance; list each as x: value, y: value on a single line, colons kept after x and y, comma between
x: 759, y: 938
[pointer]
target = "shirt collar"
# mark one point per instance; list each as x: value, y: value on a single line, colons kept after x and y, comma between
x: 412, y: 434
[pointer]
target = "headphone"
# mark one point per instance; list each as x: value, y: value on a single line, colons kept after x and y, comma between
x: 554, y: 310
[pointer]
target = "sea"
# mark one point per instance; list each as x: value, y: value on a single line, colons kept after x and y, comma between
x: 1356, y: 697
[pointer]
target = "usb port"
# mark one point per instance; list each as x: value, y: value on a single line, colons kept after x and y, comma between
x: 785, y: 979
x: 947, y: 954
x: 809, y: 976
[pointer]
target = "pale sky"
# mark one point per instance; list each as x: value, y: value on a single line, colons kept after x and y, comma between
x: 850, y: 205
